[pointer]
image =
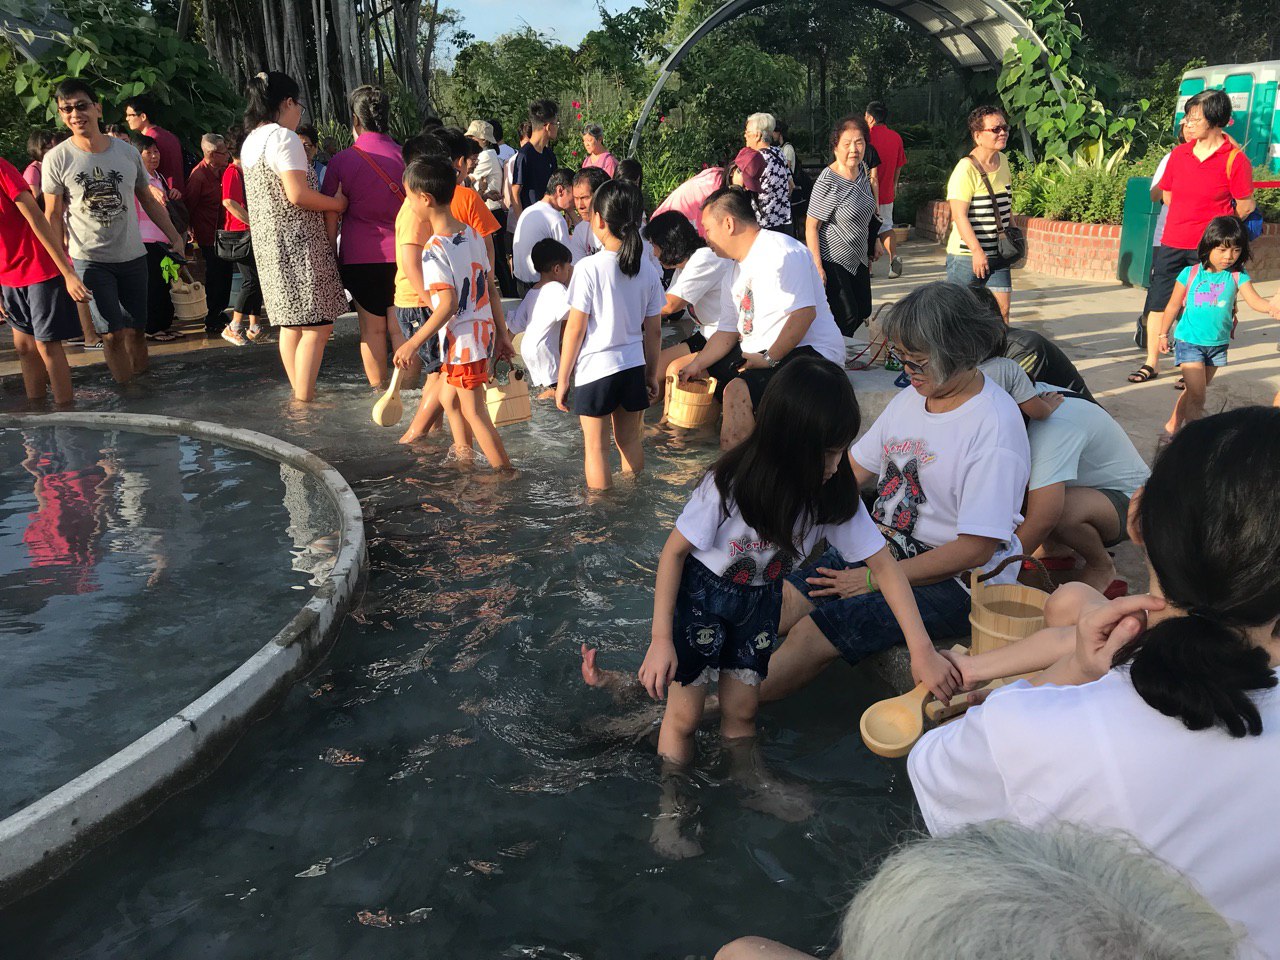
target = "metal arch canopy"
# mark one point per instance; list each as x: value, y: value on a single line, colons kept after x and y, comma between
x: 973, y: 35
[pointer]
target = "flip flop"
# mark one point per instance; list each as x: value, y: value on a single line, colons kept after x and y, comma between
x: 1180, y: 383
x: 1143, y: 374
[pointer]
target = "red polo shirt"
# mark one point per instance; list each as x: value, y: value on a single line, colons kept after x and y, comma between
x: 203, y: 198
x: 171, y: 166
x: 1200, y: 190
x: 892, y: 159
x: 23, y: 259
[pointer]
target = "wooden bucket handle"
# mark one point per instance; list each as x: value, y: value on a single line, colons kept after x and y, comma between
x: 1040, y: 568
x: 711, y: 382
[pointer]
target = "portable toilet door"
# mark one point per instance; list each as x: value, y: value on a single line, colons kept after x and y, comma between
x: 1255, y: 108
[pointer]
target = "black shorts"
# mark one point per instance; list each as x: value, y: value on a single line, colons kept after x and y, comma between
x: 43, y: 310
x: 848, y: 295
x: 371, y: 285
x: 599, y: 398
x: 757, y: 380
x: 725, y: 370
x: 1166, y: 264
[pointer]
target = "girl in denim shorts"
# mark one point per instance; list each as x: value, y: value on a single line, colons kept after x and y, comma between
x: 763, y: 506
x: 1203, y: 304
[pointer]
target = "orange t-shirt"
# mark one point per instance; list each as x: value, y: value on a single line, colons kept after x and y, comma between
x: 470, y: 209
x: 409, y: 230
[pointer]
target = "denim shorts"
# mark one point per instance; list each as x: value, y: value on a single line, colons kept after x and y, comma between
x: 411, y: 320
x: 119, y: 293
x: 720, y: 625
x: 960, y: 270
x: 864, y: 625
x: 1184, y: 352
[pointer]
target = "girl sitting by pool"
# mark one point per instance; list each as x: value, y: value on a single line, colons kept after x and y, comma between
x: 762, y: 508
x: 1205, y: 296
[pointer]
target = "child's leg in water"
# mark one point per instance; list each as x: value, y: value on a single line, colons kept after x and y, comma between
x: 475, y: 414
x: 458, y: 428
x: 739, y: 703
x: 595, y: 448
x: 676, y: 748
x: 430, y: 410
x: 628, y: 434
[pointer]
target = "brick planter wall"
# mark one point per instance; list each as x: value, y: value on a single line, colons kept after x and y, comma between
x: 1084, y: 251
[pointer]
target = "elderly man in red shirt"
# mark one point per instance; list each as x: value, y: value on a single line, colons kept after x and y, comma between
x: 139, y: 114
x: 204, y: 203
x: 1208, y: 176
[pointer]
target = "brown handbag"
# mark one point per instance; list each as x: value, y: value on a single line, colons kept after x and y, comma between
x: 1011, y: 242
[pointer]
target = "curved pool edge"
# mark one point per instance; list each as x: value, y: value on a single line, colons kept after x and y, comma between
x: 45, y: 838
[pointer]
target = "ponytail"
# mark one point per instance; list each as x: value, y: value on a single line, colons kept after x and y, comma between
x: 264, y: 93
x: 1200, y: 671
x: 620, y: 207
x: 1207, y: 518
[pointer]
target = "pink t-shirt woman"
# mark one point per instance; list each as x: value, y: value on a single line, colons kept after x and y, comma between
x: 688, y: 197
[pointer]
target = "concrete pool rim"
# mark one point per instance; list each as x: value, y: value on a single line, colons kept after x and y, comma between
x: 46, y: 837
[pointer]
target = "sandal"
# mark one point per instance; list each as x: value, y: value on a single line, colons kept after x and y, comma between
x: 1180, y: 383
x: 164, y: 336
x: 1143, y: 374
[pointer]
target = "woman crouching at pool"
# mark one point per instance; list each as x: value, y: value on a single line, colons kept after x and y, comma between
x: 764, y: 505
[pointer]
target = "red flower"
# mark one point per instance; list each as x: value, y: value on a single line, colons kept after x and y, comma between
x: 575, y: 153
x: 579, y: 116
x: 662, y: 119
x: 576, y: 104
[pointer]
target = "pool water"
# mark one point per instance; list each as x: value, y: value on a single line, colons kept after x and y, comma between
x: 445, y: 785
x: 127, y: 588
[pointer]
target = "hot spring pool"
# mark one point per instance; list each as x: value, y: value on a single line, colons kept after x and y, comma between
x: 445, y: 786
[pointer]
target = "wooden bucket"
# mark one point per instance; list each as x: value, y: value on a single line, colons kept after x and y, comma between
x: 1005, y: 612
x: 693, y: 404
x: 900, y: 234
x: 188, y: 296
x: 508, y: 401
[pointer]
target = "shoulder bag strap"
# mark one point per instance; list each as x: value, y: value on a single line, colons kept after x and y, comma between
x: 395, y: 187
x: 987, y: 183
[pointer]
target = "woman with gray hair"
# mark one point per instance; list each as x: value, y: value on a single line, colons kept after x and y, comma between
x: 951, y: 460
x: 597, y: 155
x: 773, y: 202
x: 998, y: 889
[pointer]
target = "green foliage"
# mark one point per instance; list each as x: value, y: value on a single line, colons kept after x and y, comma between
x: 1054, y: 95
x: 912, y: 194
x: 121, y: 53
x: 1080, y: 193
x: 1269, y: 203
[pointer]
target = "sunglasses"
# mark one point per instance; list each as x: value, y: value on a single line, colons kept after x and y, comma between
x: 908, y: 365
x: 1002, y: 128
x: 80, y: 106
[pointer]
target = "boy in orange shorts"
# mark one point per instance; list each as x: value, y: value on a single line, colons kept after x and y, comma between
x: 455, y: 272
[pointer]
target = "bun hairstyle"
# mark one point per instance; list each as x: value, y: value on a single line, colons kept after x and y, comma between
x: 621, y: 207
x: 372, y: 107
x: 775, y: 476
x: 264, y: 94
x: 1209, y: 519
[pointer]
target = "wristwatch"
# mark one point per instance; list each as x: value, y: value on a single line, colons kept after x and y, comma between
x: 768, y: 359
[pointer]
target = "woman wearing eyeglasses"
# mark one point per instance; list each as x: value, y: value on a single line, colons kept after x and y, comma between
x: 296, y: 264
x: 980, y: 207
x: 950, y: 460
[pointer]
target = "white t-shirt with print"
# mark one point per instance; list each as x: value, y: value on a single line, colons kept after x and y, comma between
x: 537, y: 222
x: 704, y: 283
x: 279, y: 146
x: 729, y: 548
x: 1010, y: 377
x: 583, y: 241
x: 946, y: 474
x: 461, y: 263
x: 1098, y: 755
x: 616, y: 306
x: 1082, y: 446
x: 544, y: 309
x: 776, y: 278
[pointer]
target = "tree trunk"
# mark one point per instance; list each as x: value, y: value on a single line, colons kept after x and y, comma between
x: 184, y: 19
x: 322, y: 57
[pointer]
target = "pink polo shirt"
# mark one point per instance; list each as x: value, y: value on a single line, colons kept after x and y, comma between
x: 687, y: 198
x: 605, y: 160
x: 369, y: 225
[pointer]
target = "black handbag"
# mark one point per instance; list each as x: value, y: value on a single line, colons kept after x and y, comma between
x: 234, y: 245
x: 1011, y: 242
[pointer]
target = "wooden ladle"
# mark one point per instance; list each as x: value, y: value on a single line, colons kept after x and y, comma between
x: 891, y: 727
x: 388, y: 410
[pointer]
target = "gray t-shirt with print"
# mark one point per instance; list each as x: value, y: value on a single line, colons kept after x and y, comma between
x: 99, y: 190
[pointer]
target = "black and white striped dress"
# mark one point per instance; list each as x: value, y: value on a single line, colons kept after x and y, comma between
x: 844, y: 208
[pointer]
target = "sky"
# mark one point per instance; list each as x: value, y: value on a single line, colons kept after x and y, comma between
x: 567, y: 21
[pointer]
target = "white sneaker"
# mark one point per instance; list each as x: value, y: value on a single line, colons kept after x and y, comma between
x: 233, y: 336
x: 895, y: 268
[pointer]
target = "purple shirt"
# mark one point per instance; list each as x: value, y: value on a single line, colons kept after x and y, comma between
x: 369, y: 225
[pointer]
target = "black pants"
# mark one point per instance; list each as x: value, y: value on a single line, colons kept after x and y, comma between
x: 159, y: 303
x: 217, y: 288
x: 502, y: 256
x: 849, y: 296
x: 249, y: 302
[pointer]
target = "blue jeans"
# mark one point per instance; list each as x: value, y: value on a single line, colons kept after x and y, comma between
x: 722, y: 625
x: 960, y: 270
x: 861, y: 626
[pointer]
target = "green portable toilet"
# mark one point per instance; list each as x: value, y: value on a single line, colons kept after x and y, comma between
x: 1255, y: 108
x: 1136, y: 232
